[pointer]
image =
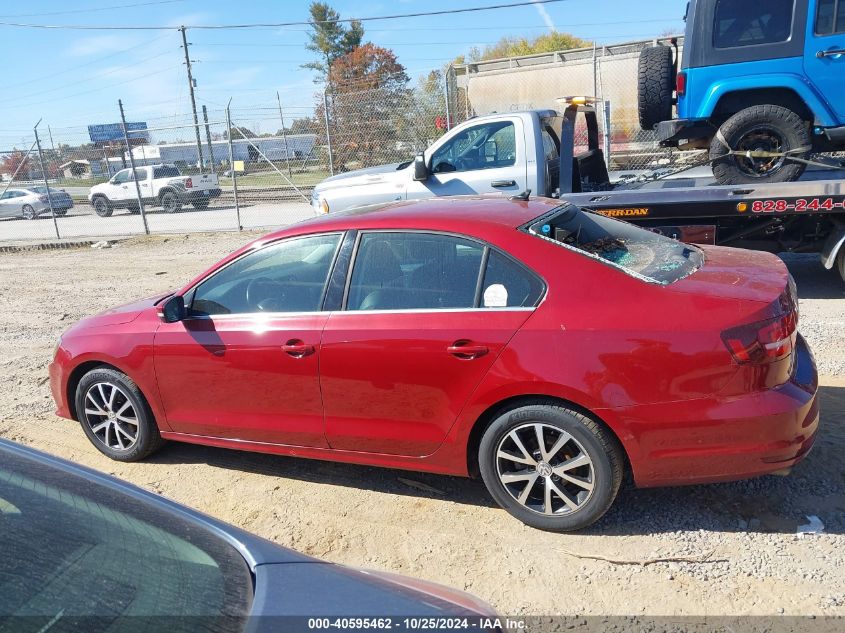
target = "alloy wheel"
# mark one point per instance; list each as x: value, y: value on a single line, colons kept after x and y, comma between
x: 111, y: 416
x: 545, y: 469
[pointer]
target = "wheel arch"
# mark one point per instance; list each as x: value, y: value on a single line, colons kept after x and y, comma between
x: 165, y: 190
x: 513, y: 402
x: 786, y: 91
x: 76, y: 375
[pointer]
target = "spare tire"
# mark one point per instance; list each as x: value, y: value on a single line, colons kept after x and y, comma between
x: 656, y: 83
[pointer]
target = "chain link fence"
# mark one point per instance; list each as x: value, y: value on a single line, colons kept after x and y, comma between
x: 259, y: 162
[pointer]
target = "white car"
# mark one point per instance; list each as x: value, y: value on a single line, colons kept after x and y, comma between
x: 160, y: 185
x: 30, y: 202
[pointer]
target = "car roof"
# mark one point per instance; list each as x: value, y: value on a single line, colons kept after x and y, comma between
x: 456, y: 213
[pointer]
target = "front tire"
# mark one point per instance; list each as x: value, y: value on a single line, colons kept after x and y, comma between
x: 551, y: 467
x: 115, y: 416
x: 765, y: 128
x: 102, y: 206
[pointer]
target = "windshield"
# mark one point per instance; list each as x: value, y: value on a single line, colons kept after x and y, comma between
x: 641, y: 253
x: 73, y: 547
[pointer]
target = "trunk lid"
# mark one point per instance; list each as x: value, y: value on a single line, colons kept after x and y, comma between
x: 733, y: 273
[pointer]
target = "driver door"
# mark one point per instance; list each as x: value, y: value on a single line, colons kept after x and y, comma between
x: 484, y: 158
x: 118, y: 186
x: 243, y: 365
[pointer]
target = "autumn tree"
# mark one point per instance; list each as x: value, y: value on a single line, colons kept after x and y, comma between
x: 14, y: 161
x: 369, y: 92
x: 330, y: 39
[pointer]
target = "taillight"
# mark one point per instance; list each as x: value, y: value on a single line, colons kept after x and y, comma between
x: 681, y: 84
x: 189, y: 183
x: 763, y: 341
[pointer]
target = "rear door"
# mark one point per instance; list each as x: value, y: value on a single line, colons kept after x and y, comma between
x: 485, y: 158
x: 824, y: 59
x: 415, y: 338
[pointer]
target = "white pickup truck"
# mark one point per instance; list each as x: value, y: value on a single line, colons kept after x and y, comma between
x: 160, y: 185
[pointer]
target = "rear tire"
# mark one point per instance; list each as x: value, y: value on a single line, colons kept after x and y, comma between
x: 840, y: 262
x: 102, y: 206
x: 107, y: 401
x: 170, y: 202
x: 655, y: 86
x: 763, y: 127
x: 568, y: 483
x: 28, y: 212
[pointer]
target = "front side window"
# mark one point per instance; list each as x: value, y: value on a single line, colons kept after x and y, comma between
x: 830, y: 18
x: 414, y: 271
x: 486, y: 146
x: 641, y: 253
x: 121, y: 177
x: 289, y: 276
x: 752, y: 22
x: 74, y: 547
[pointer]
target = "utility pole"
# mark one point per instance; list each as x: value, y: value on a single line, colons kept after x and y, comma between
x: 284, y: 133
x: 208, y: 138
x: 193, y: 99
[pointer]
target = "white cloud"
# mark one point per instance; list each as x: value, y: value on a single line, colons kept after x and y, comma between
x: 99, y: 44
x: 547, y: 19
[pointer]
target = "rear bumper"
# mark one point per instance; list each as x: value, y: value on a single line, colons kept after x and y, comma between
x: 670, y: 133
x: 725, y: 439
x: 200, y: 194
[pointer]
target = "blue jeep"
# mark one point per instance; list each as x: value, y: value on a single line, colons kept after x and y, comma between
x: 761, y: 85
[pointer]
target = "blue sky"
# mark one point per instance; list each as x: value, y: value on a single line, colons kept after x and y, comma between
x: 72, y: 78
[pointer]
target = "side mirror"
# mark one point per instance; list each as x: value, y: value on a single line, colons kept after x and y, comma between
x: 172, y: 309
x: 420, y: 168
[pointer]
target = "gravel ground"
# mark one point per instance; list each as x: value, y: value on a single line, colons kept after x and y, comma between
x: 742, y: 535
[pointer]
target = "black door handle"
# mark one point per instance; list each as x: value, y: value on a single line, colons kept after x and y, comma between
x: 503, y: 183
x: 297, y: 348
x: 830, y: 53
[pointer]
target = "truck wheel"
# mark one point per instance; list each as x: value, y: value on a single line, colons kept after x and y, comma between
x: 655, y: 86
x: 102, y: 207
x: 766, y: 128
x: 170, y: 202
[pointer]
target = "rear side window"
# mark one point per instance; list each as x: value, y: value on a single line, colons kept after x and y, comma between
x: 509, y: 285
x: 168, y: 171
x: 640, y: 253
x: 831, y: 17
x: 414, y: 271
x: 752, y: 22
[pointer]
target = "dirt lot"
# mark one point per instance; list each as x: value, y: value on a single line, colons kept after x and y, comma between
x: 447, y: 529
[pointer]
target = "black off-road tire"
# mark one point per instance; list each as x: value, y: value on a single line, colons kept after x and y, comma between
x: 600, y: 445
x: 655, y: 86
x: 102, y: 206
x: 148, y: 437
x: 793, y: 130
x: 170, y: 202
x: 200, y: 204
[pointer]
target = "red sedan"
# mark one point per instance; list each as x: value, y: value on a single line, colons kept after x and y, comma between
x: 546, y: 348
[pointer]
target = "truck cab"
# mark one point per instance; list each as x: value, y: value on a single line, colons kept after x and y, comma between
x: 759, y: 85
x: 497, y: 153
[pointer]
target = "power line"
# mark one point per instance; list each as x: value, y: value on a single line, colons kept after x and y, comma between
x: 114, y: 6
x: 89, y: 27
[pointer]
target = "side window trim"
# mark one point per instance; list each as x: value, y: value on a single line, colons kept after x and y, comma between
x: 482, y: 272
x: 189, y: 294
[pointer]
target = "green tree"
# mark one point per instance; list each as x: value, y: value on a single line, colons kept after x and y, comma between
x: 517, y: 46
x: 329, y: 38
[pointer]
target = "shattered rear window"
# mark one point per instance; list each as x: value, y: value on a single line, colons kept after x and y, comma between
x: 641, y: 253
